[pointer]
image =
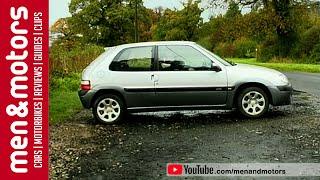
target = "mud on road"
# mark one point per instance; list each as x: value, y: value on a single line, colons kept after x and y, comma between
x: 141, y: 146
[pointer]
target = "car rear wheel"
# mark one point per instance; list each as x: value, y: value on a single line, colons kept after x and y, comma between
x: 253, y: 102
x: 108, y: 109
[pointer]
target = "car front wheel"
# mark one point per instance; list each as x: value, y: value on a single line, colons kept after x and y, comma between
x: 108, y: 109
x: 253, y: 102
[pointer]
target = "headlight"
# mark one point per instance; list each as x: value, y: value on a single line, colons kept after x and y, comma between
x: 283, y: 78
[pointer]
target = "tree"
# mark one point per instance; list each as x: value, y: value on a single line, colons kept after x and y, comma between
x: 61, y: 27
x: 283, y: 26
x: 179, y: 24
x: 107, y: 22
x: 233, y: 10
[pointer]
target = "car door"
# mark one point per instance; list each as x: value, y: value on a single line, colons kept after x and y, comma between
x: 131, y: 70
x: 185, y: 77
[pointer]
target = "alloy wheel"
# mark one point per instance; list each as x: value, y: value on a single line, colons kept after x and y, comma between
x: 253, y: 103
x: 108, y: 110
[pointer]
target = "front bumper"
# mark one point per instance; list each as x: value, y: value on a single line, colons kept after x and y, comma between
x: 86, y: 98
x: 281, y: 95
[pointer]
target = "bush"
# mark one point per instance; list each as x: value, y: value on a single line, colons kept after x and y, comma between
x: 310, y: 39
x: 245, y: 48
x: 315, y: 54
x: 267, y: 50
x: 206, y: 43
x: 305, y: 50
x: 70, y: 82
x: 225, y: 50
x: 72, y: 56
x: 241, y: 48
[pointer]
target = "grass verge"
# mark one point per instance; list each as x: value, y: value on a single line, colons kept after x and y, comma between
x: 63, y: 105
x: 287, y: 67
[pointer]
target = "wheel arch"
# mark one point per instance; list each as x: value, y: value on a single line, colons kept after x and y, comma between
x: 108, y: 91
x: 251, y: 84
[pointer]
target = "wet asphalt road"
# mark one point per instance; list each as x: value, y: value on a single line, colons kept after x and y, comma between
x: 306, y: 82
x: 140, y: 147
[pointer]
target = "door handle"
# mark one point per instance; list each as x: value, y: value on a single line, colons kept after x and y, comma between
x: 154, y: 78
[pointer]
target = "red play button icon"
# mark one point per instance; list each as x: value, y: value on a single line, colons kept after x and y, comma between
x: 174, y: 169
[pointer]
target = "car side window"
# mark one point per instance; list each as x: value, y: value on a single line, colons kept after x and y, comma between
x: 133, y: 59
x: 182, y: 58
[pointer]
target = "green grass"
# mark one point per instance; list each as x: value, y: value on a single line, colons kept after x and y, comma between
x: 287, y: 67
x: 63, y: 105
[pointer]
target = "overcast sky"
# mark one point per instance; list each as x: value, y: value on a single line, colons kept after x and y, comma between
x: 59, y: 8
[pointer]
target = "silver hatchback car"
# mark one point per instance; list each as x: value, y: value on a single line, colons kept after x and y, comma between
x: 177, y: 75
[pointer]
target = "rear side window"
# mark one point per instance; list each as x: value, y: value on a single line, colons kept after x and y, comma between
x: 133, y: 59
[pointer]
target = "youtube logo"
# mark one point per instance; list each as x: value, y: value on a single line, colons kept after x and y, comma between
x: 174, y: 169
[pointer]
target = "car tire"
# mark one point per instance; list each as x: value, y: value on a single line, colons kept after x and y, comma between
x: 253, y: 102
x: 108, y: 109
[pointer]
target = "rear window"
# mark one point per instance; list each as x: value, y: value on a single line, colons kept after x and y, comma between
x: 133, y: 59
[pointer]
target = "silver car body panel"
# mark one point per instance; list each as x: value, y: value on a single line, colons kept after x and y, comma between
x: 171, y: 89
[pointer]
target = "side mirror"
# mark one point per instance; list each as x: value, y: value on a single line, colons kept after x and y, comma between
x: 216, y: 68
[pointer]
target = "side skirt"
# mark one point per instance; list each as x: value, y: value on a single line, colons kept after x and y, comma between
x: 177, y: 108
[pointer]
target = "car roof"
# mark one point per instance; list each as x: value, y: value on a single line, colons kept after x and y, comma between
x: 155, y: 43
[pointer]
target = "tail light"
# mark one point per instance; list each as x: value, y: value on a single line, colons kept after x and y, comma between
x: 85, y: 85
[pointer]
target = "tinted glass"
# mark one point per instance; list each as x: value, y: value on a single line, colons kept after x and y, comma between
x: 134, y: 59
x: 182, y: 58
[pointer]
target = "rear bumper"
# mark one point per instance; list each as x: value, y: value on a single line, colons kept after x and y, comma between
x: 281, y: 95
x: 86, y: 98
